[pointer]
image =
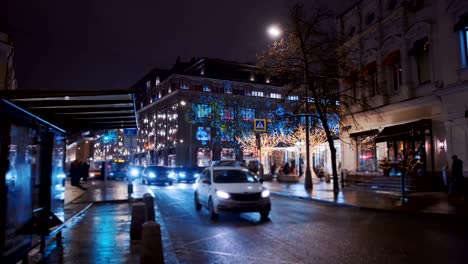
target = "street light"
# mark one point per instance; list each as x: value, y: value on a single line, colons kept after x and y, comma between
x: 275, y: 32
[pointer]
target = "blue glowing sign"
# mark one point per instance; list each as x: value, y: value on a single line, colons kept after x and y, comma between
x: 203, y: 134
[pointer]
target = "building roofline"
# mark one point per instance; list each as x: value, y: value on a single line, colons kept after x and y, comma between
x: 349, y: 9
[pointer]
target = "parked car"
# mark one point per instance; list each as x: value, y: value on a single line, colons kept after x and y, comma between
x: 157, y: 174
x: 231, y: 190
x: 185, y: 174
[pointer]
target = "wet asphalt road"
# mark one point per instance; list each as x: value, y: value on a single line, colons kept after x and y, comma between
x: 304, y: 232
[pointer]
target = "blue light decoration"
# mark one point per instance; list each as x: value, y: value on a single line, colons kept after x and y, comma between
x: 203, y: 134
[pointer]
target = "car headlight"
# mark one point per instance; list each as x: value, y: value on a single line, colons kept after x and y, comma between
x: 265, y: 193
x: 91, y: 174
x: 111, y: 174
x: 196, y: 175
x: 182, y: 175
x: 172, y: 175
x: 133, y: 172
x: 152, y: 175
x: 222, y: 194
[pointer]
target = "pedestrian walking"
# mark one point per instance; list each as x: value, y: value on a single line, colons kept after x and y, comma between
x: 75, y: 173
x: 103, y: 170
x: 85, y: 171
x: 286, y: 168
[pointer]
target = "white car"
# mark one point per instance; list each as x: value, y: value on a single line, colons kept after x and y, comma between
x: 231, y: 190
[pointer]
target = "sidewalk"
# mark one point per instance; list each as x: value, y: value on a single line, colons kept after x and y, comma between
x: 427, y: 202
x: 98, y: 215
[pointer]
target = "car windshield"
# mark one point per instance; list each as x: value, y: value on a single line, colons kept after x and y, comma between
x: 233, y: 176
x: 154, y: 169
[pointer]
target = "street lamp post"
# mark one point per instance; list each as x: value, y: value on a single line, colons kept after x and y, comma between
x: 275, y: 32
x: 308, y: 174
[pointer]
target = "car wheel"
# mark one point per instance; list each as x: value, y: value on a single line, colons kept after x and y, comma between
x: 198, y: 205
x: 170, y: 183
x: 213, y: 215
x: 264, y: 215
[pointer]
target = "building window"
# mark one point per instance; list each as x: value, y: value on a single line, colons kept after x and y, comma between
x: 366, y: 152
x: 370, y: 77
x: 370, y: 18
x: 275, y: 95
x: 421, y: 51
x: 352, y: 31
x: 218, y: 89
x: 239, y: 92
x: 228, y: 88
x: 391, y: 4
x: 396, y: 76
x: 464, y: 49
x: 393, y: 71
x: 248, y: 114
x: 257, y: 93
x: 206, y: 88
x: 293, y: 98
x: 157, y: 80
x: 227, y: 135
x: 203, y: 111
x: 196, y: 87
x: 228, y: 113
x: 148, y: 84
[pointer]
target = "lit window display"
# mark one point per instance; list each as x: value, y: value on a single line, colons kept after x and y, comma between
x: 366, y: 151
x: 203, y: 157
x: 228, y: 154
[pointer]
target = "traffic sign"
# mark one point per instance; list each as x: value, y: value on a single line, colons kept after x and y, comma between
x: 260, y: 125
x: 112, y: 134
x: 130, y: 131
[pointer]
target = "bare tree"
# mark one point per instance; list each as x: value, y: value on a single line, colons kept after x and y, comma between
x: 310, y: 57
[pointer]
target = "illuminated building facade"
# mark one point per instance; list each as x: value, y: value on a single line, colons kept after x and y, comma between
x: 193, y: 113
x: 413, y: 57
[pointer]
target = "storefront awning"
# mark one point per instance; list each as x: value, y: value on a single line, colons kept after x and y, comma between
x: 362, y: 133
x: 418, y: 128
x: 77, y: 111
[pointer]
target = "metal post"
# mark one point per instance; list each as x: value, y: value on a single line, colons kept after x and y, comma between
x: 403, y: 191
x: 308, y: 174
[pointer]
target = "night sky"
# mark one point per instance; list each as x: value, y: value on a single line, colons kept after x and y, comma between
x: 110, y: 44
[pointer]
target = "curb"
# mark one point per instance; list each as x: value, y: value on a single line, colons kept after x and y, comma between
x: 120, y: 201
x: 372, y: 209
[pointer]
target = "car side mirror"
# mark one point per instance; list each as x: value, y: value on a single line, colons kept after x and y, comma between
x: 206, y: 181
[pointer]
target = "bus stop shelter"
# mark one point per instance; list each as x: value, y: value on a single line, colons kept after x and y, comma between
x: 33, y: 132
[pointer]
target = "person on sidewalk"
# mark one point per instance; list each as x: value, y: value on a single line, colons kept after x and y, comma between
x: 85, y: 171
x: 286, y: 169
x: 75, y: 173
x: 457, y: 175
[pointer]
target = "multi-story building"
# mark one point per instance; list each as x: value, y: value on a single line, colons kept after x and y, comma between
x: 7, y: 73
x: 413, y: 107
x: 193, y: 113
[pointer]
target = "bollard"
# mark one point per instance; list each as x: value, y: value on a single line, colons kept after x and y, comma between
x: 138, y: 218
x: 130, y: 189
x: 151, y: 248
x: 342, y: 179
x: 149, y: 206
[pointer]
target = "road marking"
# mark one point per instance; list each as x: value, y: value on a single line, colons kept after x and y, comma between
x: 264, y: 260
x: 203, y: 239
